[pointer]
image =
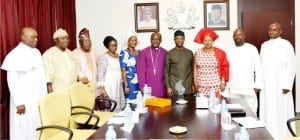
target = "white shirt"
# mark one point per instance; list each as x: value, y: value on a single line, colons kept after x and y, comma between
x: 244, y: 61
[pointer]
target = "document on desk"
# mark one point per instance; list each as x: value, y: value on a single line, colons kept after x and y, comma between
x: 116, y: 120
x: 249, y: 122
x: 235, y: 106
x: 201, y: 102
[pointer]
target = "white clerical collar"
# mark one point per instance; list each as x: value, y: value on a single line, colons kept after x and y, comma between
x: 155, y: 48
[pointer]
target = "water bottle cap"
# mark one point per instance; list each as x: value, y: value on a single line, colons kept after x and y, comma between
x: 243, y: 128
x: 223, y: 101
x: 110, y: 127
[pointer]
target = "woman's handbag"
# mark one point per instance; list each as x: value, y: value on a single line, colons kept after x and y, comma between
x: 103, y: 102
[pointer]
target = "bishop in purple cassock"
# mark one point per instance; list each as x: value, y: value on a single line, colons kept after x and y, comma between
x: 150, y: 67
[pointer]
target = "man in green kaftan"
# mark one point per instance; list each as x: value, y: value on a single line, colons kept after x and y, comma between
x: 179, y: 66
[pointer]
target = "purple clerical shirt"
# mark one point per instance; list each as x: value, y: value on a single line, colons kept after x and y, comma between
x: 150, y: 70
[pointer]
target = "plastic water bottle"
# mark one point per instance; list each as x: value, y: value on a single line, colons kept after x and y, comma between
x: 223, y: 106
x: 212, y: 100
x: 149, y: 91
x: 244, y: 135
x: 110, y: 133
x: 225, y: 115
x: 146, y: 92
x: 140, y: 102
x: 127, y: 115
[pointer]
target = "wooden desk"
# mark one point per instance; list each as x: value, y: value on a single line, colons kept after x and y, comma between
x: 201, y: 124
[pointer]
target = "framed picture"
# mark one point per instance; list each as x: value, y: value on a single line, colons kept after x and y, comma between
x: 146, y: 17
x: 216, y: 14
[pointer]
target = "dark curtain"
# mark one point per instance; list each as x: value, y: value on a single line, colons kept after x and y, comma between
x: 56, y: 14
x: 45, y: 16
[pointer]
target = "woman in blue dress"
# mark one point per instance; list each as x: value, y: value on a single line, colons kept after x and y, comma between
x: 128, y: 59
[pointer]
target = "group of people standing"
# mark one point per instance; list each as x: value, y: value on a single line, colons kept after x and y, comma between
x: 270, y: 74
x: 239, y: 69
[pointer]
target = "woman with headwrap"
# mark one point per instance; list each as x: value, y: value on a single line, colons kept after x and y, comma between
x: 211, y: 66
x: 109, y: 74
x: 128, y: 59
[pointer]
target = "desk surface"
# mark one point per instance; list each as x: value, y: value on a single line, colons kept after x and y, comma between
x: 201, y: 124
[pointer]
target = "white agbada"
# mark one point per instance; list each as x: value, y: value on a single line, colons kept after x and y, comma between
x: 279, y: 68
x: 27, y: 84
x: 244, y: 61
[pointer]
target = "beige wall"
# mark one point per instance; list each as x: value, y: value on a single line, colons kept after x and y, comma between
x: 116, y: 17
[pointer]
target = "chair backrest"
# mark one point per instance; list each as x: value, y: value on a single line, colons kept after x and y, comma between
x: 291, y: 125
x: 55, y: 109
x: 82, y: 95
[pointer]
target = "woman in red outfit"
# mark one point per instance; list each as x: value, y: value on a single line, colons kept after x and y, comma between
x: 210, y: 66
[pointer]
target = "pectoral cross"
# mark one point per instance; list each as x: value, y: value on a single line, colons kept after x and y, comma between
x: 154, y: 71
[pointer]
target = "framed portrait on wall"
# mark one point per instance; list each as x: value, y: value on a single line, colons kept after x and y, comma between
x: 216, y: 15
x: 146, y: 17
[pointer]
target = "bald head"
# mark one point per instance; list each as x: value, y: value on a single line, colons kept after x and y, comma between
x: 238, y: 30
x: 275, y: 30
x: 155, y: 39
x: 239, y: 37
x: 155, y: 34
x: 278, y: 25
x: 29, y: 36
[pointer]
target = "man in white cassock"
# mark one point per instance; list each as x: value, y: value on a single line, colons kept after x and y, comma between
x: 27, y: 84
x: 245, y: 72
x: 279, y: 68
